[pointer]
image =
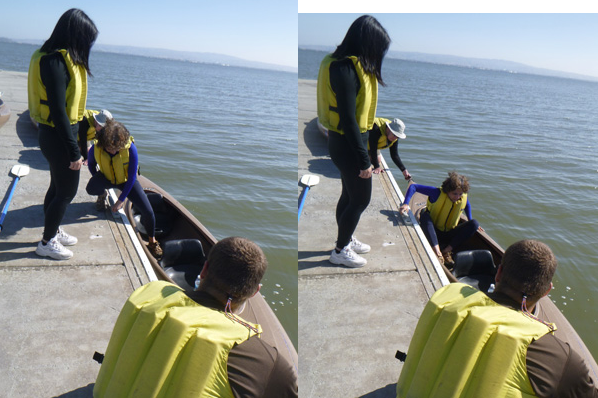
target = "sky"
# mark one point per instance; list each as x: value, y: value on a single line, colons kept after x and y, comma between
x: 256, y: 30
x: 558, y: 41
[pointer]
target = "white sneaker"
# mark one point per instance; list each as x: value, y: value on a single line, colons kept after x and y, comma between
x: 53, y: 249
x: 347, y: 257
x: 65, y: 239
x: 359, y: 247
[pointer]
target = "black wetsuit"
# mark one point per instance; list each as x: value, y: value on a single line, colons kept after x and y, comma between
x: 58, y: 144
x: 349, y: 152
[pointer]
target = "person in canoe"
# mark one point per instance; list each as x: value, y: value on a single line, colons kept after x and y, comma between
x: 57, y: 94
x: 113, y: 163
x: 492, y: 345
x: 386, y: 134
x: 199, y: 345
x: 440, y: 219
x: 347, y: 99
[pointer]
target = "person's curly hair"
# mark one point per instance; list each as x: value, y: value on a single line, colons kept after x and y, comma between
x: 113, y: 135
x: 454, y: 181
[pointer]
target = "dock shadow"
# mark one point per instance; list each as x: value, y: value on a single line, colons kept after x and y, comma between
x: 27, y: 132
x: 82, y: 392
x: 390, y: 391
x: 313, y: 259
x: 317, y: 144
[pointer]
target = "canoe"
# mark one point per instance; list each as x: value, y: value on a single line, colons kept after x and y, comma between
x: 4, y: 112
x: 545, y: 308
x: 185, y: 241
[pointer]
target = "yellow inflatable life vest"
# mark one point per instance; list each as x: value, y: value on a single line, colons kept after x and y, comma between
x: 366, y: 101
x: 115, y: 168
x: 444, y: 213
x: 166, y: 345
x: 76, y: 91
x: 467, y: 345
x: 383, y: 140
x: 91, y: 131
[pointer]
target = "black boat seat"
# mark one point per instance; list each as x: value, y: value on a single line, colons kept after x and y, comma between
x: 475, y: 268
x: 162, y: 212
x: 182, y: 261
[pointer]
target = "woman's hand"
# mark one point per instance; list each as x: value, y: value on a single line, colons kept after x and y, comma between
x: 76, y: 165
x: 404, y: 208
x: 117, y: 206
x: 406, y: 174
x: 378, y: 170
x: 367, y: 173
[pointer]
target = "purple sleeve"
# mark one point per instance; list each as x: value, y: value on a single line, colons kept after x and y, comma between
x: 432, y: 192
x: 132, y: 172
x: 468, y: 210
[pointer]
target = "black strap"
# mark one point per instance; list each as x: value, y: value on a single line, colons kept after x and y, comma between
x: 99, y: 358
x: 401, y: 356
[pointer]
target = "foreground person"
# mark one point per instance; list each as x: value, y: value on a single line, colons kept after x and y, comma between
x: 113, y: 163
x: 440, y: 219
x: 471, y: 344
x: 167, y: 343
x: 57, y: 94
x: 347, y: 99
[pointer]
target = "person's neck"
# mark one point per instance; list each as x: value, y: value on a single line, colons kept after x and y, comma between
x: 517, y: 296
x: 222, y: 298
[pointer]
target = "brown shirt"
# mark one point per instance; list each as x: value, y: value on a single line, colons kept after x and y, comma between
x: 553, y: 367
x: 255, y: 369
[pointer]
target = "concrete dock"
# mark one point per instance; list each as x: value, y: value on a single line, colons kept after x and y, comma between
x: 55, y: 314
x: 353, y: 321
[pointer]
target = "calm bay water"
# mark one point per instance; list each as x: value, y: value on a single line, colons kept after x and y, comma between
x: 222, y: 140
x: 528, y: 145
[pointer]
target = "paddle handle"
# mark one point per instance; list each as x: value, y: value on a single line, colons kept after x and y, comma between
x: 302, y: 201
x: 5, y: 208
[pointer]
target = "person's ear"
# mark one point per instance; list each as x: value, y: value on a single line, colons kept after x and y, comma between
x: 204, y: 270
x: 498, y: 275
x: 549, y: 289
x: 258, y: 290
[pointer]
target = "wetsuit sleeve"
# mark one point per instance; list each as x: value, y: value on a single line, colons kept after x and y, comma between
x: 91, y: 161
x: 394, y: 155
x: 467, y: 210
x: 556, y: 370
x: 55, y: 77
x: 373, y: 142
x: 255, y: 369
x: 432, y: 192
x: 82, y: 133
x: 345, y: 84
x: 132, y: 173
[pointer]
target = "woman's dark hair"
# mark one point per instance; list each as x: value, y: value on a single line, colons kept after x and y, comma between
x: 76, y: 33
x: 367, y: 40
x: 454, y: 181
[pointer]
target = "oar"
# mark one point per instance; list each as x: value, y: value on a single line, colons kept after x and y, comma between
x: 307, y: 181
x: 18, y: 170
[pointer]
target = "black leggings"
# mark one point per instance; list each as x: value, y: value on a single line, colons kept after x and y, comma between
x: 356, y: 191
x: 64, y: 182
x: 98, y: 183
x: 454, y: 237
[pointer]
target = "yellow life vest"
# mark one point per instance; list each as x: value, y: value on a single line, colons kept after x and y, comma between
x: 444, y: 213
x: 383, y: 140
x: 366, y: 101
x: 166, y: 345
x: 466, y: 345
x: 115, y: 168
x: 76, y: 91
x: 91, y: 131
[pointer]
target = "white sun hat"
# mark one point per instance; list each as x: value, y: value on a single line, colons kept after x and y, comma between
x: 102, y: 117
x: 397, y: 127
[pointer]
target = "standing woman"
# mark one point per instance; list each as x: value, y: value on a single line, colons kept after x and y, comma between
x: 347, y: 100
x: 57, y: 91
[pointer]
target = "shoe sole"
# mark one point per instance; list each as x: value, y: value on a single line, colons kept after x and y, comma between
x: 347, y: 265
x: 51, y: 256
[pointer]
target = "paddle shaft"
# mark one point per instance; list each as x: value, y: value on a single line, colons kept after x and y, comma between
x: 5, y: 208
x: 302, y: 200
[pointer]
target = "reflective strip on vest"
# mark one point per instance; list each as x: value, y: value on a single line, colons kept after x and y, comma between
x: 165, y: 344
x: 445, y: 213
x: 366, y: 101
x: 76, y: 91
x: 467, y: 345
